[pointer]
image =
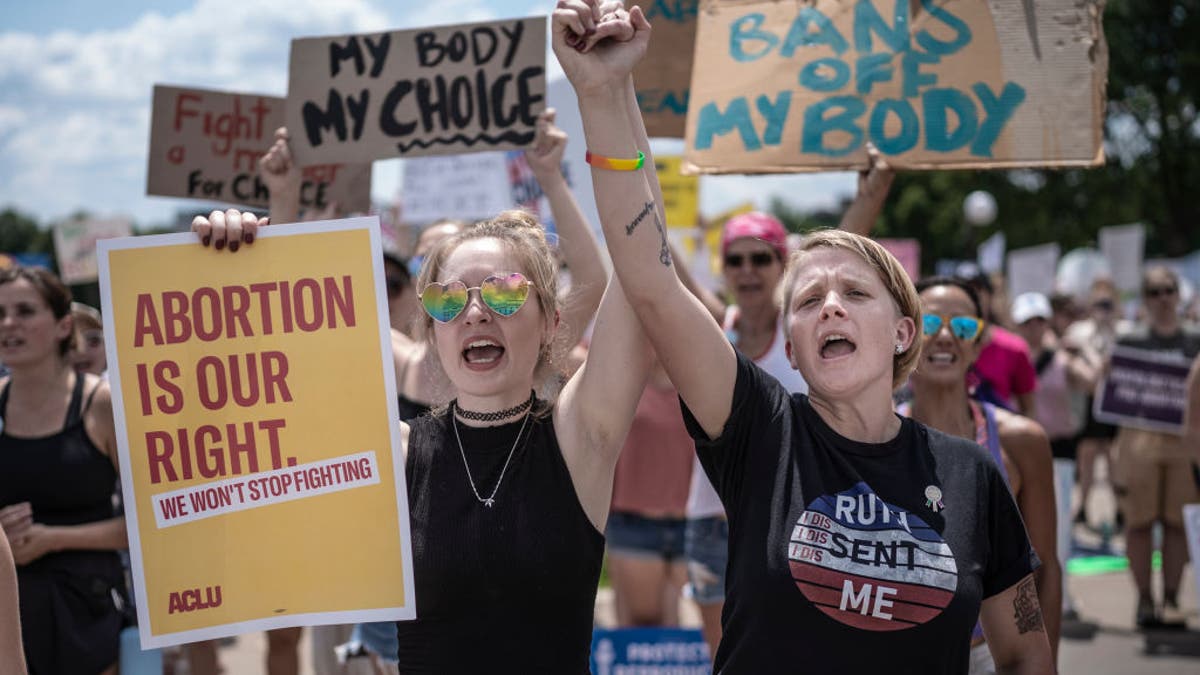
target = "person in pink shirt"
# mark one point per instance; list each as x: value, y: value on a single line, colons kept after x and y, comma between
x: 1004, y: 370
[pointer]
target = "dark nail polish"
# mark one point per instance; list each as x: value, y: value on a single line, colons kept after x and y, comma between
x: 220, y: 244
x: 233, y: 246
x: 206, y: 239
x: 248, y: 237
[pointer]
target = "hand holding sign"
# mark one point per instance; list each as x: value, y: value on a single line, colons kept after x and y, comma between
x: 230, y: 226
x: 605, y: 60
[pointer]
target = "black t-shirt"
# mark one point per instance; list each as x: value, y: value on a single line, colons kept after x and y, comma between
x: 848, y: 557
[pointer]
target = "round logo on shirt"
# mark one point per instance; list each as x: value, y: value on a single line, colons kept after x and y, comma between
x: 869, y: 564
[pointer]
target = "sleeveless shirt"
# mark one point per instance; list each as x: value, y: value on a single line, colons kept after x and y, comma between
x: 70, y: 600
x: 503, y: 589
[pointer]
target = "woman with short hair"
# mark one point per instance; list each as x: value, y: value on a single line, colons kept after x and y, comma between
x: 859, y: 541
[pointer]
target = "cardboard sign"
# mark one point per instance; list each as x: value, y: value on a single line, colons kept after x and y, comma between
x: 650, y: 651
x: 803, y: 86
x: 1144, y: 389
x: 430, y: 91
x: 75, y: 246
x: 236, y: 483
x: 681, y: 194
x: 1032, y: 269
x: 206, y: 145
x: 662, y: 79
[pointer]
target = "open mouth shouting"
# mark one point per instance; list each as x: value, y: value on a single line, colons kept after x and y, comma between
x: 482, y: 353
x: 836, y: 345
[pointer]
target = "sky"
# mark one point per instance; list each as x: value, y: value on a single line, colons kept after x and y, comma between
x: 76, y: 78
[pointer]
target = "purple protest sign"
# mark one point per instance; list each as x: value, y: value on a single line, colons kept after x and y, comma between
x: 1144, y: 389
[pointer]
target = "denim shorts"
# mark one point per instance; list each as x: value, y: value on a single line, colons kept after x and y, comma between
x: 706, y: 546
x: 380, y: 638
x: 629, y: 534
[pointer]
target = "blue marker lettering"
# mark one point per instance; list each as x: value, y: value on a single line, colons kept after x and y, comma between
x: 870, y: 69
x: 679, y: 11
x: 938, y: 136
x: 866, y: 19
x: 801, y: 35
x: 775, y: 114
x: 996, y: 113
x: 914, y: 79
x: 715, y: 123
x: 816, y: 125
x: 935, y: 46
x: 827, y: 74
x: 910, y: 126
x: 748, y: 28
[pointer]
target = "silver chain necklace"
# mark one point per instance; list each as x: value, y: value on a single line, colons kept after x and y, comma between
x: 491, y: 499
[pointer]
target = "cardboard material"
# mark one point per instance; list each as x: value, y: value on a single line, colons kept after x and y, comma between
x: 664, y: 76
x: 802, y: 86
x: 238, y: 490
x: 206, y: 145
x: 429, y: 91
x: 1144, y: 389
x: 75, y: 246
x: 681, y: 194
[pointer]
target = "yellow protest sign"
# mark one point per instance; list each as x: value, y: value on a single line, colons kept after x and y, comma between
x: 255, y: 404
x: 681, y: 194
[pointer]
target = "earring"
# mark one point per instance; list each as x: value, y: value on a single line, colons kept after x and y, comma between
x: 899, y: 348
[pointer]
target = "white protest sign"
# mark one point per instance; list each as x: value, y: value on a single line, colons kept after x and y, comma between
x: 1032, y: 269
x: 1123, y: 246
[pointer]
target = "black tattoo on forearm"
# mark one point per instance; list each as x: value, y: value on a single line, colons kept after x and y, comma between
x: 1026, y: 610
x: 646, y: 210
x: 664, y: 254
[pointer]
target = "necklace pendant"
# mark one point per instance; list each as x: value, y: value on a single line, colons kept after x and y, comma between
x: 489, y: 502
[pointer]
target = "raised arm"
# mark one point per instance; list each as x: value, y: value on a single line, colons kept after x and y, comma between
x: 579, y: 247
x: 282, y: 178
x: 596, y: 407
x: 873, y: 187
x: 696, y: 355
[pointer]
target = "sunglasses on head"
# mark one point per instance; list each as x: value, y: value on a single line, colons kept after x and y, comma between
x: 963, y: 327
x: 1159, y: 291
x: 760, y: 259
x: 504, y: 294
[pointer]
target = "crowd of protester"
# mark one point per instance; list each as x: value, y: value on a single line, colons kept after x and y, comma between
x: 683, y: 432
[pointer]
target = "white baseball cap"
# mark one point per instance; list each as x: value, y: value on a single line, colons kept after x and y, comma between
x: 1029, y: 306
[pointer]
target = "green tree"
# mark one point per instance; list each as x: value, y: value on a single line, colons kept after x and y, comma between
x: 20, y: 233
x: 1152, y: 142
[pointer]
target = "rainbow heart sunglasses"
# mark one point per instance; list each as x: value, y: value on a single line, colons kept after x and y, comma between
x: 963, y: 327
x: 504, y: 294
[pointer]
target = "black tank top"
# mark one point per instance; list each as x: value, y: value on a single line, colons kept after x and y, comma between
x: 64, y: 476
x: 504, y: 589
x: 71, y: 604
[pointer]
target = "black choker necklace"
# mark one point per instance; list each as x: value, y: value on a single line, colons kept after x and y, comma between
x: 493, y: 416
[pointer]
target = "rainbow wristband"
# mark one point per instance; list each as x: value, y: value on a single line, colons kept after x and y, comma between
x: 601, y: 162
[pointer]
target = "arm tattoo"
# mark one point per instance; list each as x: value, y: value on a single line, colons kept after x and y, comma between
x: 1026, y: 610
x: 664, y: 254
